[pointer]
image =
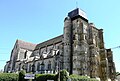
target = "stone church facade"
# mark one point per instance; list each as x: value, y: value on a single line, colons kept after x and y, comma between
x: 80, y: 50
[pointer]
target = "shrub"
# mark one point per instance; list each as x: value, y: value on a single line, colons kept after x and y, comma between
x: 8, y: 77
x: 81, y: 78
x: 63, y: 75
x: 45, y: 77
x: 22, y: 75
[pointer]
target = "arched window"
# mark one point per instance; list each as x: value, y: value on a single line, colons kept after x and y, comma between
x: 49, y: 65
x: 38, y: 66
x: 42, y: 66
x: 29, y: 67
x: 26, y: 67
x: 96, y: 41
x: 33, y: 68
x: 19, y: 67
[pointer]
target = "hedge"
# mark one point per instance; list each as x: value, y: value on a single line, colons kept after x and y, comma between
x: 45, y: 77
x: 64, y: 75
x: 8, y: 77
x: 81, y: 78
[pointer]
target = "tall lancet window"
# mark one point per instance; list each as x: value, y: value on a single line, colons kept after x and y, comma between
x: 19, y: 67
x: 85, y: 28
x: 42, y: 66
x: 30, y: 67
x: 96, y: 41
x: 38, y: 66
x: 49, y: 65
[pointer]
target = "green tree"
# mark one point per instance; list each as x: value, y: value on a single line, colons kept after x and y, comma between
x: 21, y: 76
x: 63, y: 75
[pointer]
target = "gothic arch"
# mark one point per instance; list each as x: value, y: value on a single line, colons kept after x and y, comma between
x: 29, y: 67
x: 49, y: 65
x: 38, y: 66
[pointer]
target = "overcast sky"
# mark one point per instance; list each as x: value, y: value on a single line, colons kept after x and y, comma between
x: 39, y: 20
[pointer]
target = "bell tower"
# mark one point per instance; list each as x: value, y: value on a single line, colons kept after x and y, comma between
x: 75, y: 42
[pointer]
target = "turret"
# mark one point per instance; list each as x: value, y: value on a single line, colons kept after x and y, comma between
x: 101, y: 38
x: 67, y: 44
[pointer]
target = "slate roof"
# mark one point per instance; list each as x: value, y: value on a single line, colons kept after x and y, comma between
x: 49, y: 42
x: 26, y: 45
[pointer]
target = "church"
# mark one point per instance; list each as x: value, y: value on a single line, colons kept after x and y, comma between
x: 80, y: 50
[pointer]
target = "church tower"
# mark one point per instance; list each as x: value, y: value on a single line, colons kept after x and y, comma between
x: 84, y: 52
x: 75, y: 42
x: 80, y: 47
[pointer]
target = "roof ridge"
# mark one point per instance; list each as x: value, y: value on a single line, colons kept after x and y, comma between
x: 26, y: 45
x: 19, y: 40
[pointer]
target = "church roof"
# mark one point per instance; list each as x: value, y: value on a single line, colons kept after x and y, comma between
x: 26, y: 45
x: 49, y: 42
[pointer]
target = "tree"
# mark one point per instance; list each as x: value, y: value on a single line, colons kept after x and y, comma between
x: 21, y: 75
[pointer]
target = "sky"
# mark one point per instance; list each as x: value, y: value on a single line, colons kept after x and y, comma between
x: 38, y: 20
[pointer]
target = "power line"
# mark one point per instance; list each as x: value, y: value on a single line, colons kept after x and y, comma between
x: 4, y: 48
x: 115, y: 47
x: 4, y: 53
x: 2, y: 60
